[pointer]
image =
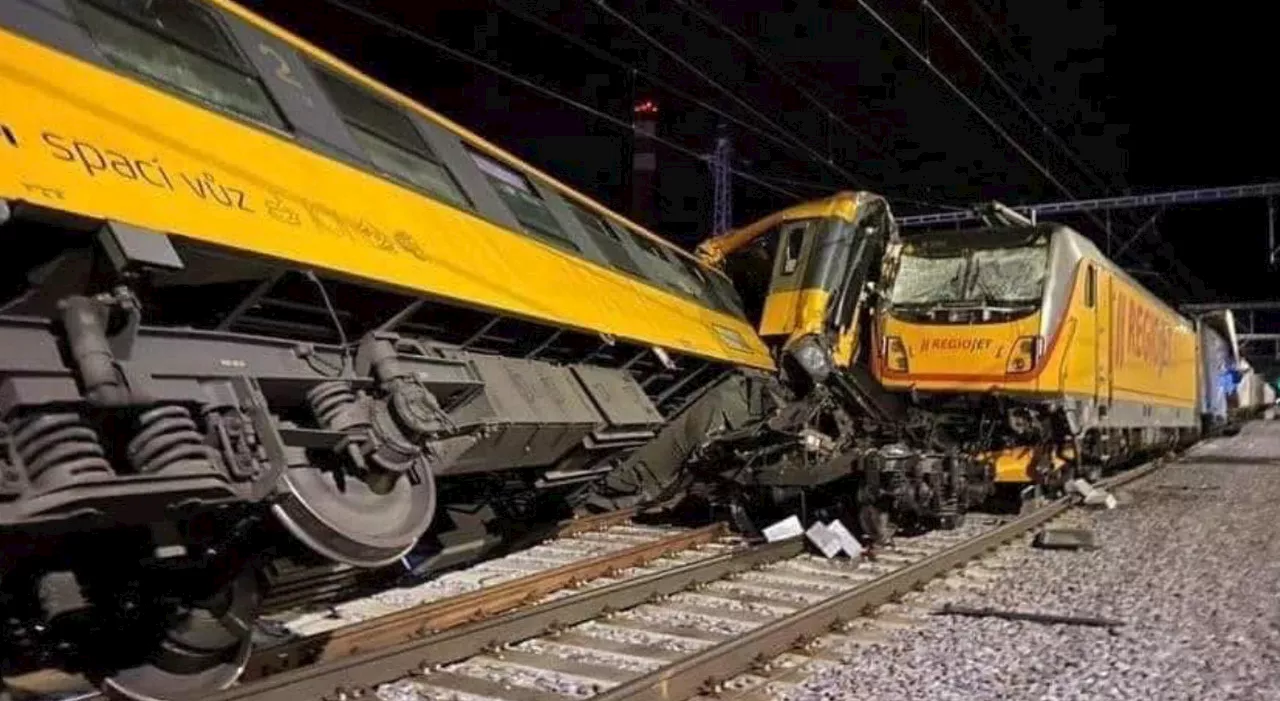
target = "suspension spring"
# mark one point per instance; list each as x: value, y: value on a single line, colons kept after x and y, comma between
x: 59, y: 448
x: 167, y: 436
x: 329, y: 401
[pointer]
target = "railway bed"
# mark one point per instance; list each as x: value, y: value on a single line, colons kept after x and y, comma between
x: 672, y: 634
x: 585, y: 552
x: 1188, y: 566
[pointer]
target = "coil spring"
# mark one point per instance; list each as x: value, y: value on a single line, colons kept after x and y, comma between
x: 59, y: 447
x: 167, y: 435
x: 329, y: 399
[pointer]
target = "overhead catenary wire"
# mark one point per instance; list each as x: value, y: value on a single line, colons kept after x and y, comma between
x: 531, y: 85
x: 702, y: 75
x: 977, y: 109
x: 1013, y: 94
x: 1048, y: 175
x: 684, y: 63
x: 771, y: 65
x: 1045, y: 128
x: 664, y: 85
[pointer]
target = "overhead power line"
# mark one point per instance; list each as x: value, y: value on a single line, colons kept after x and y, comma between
x: 1013, y: 94
x: 675, y: 56
x: 770, y: 64
x: 1153, y: 199
x: 621, y: 64
x: 595, y: 112
x: 1048, y: 175
x: 995, y: 126
x: 733, y: 96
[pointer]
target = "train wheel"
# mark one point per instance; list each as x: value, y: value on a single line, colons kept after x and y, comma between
x: 202, y: 648
x: 363, y: 523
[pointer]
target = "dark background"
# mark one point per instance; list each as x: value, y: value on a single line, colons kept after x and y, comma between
x: 1145, y: 99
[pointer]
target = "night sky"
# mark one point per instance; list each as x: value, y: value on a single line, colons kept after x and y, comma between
x: 1144, y: 100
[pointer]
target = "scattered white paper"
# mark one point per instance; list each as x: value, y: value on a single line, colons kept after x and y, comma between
x: 785, y: 529
x: 827, y: 542
x: 848, y: 543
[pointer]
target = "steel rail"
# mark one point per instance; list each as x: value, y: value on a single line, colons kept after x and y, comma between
x: 694, y: 674
x: 351, y: 677
x: 436, y: 616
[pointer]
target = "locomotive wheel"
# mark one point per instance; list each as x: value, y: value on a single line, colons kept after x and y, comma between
x: 204, y: 648
x: 347, y: 520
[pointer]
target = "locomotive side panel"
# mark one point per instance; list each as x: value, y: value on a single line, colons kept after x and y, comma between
x: 1154, y: 360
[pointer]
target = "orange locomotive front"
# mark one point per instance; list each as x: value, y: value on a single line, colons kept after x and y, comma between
x: 1044, y: 355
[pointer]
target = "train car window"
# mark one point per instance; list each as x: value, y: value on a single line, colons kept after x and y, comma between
x: 730, y: 301
x: 668, y: 275
x: 389, y: 139
x: 529, y: 209
x: 179, y: 45
x: 1090, y: 286
x: 706, y: 289
x: 609, y: 239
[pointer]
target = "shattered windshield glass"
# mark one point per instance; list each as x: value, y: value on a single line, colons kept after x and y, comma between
x: 927, y: 280
x: 990, y: 276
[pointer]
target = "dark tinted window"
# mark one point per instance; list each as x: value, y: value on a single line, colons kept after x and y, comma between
x: 180, y: 45
x: 608, y: 238
x: 389, y: 138
x: 525, y: 203
x: 681, y: 275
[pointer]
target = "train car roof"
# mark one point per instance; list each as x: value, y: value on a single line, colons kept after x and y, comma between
x: 465, y: 134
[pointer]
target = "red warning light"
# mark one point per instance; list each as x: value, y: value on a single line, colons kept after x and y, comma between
x: 646, y: 107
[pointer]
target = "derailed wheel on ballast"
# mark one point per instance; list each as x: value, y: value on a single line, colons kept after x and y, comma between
x: 203, y: 648
x: 344, y: 518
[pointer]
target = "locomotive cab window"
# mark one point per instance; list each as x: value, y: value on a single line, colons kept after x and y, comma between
x: 792, y: 245
x: 389, y: 139
x: 525, y: 203
x: 1090, y: 286
x: 179, y: 45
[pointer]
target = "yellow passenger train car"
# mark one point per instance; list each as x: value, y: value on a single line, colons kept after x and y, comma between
x: 248, y: 289
x: 1037, y: 350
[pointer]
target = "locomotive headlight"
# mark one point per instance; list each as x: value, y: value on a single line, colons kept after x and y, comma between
x: 895, y: 354
x: 813, y: 358
x: 1025, y: 353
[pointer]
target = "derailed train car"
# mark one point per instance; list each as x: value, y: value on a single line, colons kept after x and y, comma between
x: 254, y: 298
x: 1044, y: 355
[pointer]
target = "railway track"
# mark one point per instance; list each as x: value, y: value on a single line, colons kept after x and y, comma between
x: 673, y: 634
x: 577, y: 551
x: 632, y: 548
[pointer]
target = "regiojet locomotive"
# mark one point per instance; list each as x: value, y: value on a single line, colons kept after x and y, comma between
x: 252, y: 298
x: 1043, y: 355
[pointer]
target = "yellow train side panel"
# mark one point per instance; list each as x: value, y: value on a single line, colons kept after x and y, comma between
x: 93, y: 143
x: 1125, y: 348
x: 792, y: 312
x: 1155, y: 355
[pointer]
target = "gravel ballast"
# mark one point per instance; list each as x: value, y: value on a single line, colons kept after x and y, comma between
x: 1190, y: 562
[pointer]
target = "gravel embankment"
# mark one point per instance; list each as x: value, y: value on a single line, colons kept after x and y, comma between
x: 1190, y: 562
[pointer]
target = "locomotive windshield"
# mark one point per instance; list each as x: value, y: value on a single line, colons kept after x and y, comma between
x: 964, y: 272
